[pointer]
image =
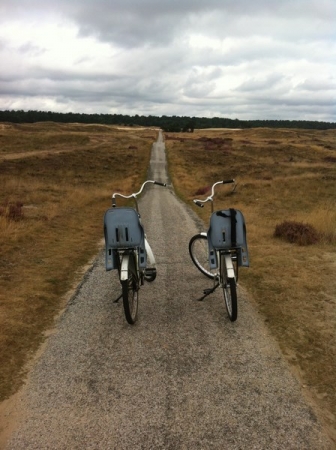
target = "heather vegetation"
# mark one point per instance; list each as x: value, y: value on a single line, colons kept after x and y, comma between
x: 297, y: 233
x: 56, y: 181
x: 286, y: 190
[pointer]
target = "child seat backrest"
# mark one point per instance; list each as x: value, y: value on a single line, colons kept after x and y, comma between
x: 122, y: 228
x: 228, y: 231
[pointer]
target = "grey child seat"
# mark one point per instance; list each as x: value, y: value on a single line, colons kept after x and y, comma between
x: 227, y: 231
x: 123, y: 230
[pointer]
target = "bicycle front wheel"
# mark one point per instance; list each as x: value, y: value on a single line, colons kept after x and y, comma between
x: 130, y: 291
x: 229, y: 286
x: 199, y: 253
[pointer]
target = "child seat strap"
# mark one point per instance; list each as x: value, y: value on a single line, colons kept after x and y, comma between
x: 233, y: 219
x: 233, y: 214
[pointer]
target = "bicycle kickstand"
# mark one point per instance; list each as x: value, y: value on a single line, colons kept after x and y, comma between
x: 207, y: 292
x: 117, y: 299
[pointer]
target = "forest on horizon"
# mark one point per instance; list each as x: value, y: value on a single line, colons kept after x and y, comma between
x: 167, y: 123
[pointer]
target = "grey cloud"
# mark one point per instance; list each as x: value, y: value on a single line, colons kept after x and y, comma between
x: 318, y: 85
x: 283, y: 53
x: 199, y: 90
x: 31, y: 49
x: 261, y: 83
x: 132, y: 23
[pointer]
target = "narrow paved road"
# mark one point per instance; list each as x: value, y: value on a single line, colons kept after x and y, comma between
x: 183, y: 377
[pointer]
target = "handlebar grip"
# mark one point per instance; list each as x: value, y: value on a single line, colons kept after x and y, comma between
x: 113, y: 202
x: 159, y: 183
x: 228, y: 181
x: 198, y: 203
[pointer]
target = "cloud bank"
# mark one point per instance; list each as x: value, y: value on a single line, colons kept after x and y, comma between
x: 235, y: 59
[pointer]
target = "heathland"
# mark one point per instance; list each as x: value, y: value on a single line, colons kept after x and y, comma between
x: 56, y: 181
x: 286, y: 191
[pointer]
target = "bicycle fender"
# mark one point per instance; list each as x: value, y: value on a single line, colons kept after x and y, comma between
x: 149, y: 252
x: 229, y: 267
x: 124, y: 268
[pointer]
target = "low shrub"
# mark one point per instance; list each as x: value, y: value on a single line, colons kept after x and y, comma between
x: 330, y: 159
x: 202, y: 190
x: 297, y: 233
x: 12, y: 211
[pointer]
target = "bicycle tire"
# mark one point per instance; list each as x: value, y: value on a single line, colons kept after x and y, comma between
x: 199, y: 253
x: 229, y: 286
x: 130, y: 292
x: 230, y: 297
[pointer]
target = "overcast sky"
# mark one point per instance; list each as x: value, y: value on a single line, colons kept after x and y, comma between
x: 245, y: 59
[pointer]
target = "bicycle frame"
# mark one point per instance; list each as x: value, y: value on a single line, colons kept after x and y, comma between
x: 134, y: 196
x: 226, y: 249
x: 127, y: 250
x: 228, y: 261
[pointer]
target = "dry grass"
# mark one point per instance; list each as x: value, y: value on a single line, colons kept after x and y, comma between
x: 323, y: 218
x: 62, y: 178
x: 282, y: 175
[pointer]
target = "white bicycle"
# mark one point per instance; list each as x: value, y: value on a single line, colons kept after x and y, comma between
x: 219, y: 252
x: 128, y: 251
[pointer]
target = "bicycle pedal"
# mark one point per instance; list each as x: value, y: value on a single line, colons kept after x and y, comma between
x: 207, y: 291
x: 150, y: 274
x: 150, y: 271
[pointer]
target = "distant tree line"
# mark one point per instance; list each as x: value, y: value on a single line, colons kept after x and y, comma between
x: 167, y: 123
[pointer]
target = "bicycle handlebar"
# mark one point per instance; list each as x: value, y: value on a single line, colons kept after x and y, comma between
x: 229, y: 181
x: 134, y: 195
x: 200, y: 203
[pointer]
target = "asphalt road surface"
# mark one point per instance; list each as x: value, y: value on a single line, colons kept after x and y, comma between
x: 183, y: 377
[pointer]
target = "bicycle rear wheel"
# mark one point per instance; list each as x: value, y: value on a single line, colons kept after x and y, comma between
x: 130, y: 291
x: 229, y: 291
x: 230, y: 297
x: 199, y: 253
